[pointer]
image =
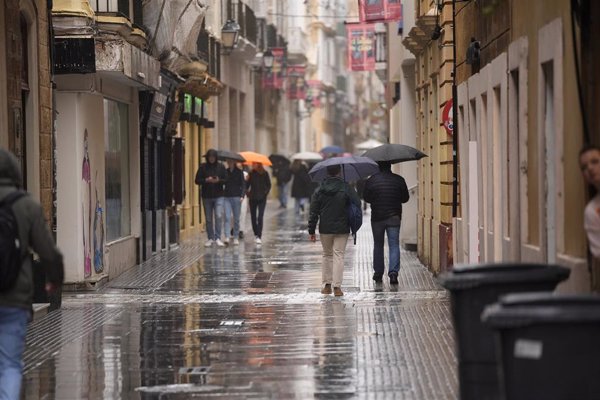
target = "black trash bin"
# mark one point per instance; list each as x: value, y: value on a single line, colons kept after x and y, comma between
x: 471, y: 289
x: 549, y: 345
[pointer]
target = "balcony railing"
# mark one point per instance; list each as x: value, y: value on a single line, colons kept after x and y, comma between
x: 245, y: 17
x: 209, y: 51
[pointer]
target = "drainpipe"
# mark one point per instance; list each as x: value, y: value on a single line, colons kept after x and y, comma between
x: 454, y: 119
x: 49, y: 5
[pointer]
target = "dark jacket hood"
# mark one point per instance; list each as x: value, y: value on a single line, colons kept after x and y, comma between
x: 10, y: 170
x: 332, y: 185
x: 211, y: 152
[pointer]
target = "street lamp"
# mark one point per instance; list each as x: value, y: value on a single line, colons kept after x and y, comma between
x: 230, y: 34
x: 268, y: 59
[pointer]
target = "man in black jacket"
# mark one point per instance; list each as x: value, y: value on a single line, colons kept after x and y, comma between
x: 386, y: 192
x: 211, y: 177
x: 16, y: 300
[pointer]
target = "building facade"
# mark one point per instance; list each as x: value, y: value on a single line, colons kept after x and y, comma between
x: 520, y: 127
x: 26, y: 95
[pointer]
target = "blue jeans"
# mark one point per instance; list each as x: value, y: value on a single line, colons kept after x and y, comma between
x: 213, y: 205
x: 257, y: 213
x: 233, y: 206
x: 300, y: 201
x: 282, y: 191
x: 13, y: 327
x: 391, y: 226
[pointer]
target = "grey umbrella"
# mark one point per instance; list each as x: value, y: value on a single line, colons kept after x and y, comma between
x: 394, y: 153
x: 353, y: 168
x: 229, y: 155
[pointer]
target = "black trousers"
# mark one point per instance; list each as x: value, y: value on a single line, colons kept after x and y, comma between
x: 257, y: 213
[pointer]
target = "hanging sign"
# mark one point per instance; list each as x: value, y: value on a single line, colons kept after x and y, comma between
x: 274, y: 77
x: 296, y: 84
x: 361, y: 47
x: 379, y: 10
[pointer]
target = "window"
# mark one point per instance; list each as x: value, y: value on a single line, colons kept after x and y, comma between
x: 116, y: 144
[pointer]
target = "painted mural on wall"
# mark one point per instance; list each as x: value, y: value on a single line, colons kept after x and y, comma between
x: 86, y: 207
x: 93, y: 232
x: 98, y: 236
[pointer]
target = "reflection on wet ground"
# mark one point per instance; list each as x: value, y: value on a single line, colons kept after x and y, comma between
x: 248, y: 322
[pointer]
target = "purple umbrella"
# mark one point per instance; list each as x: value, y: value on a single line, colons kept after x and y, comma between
x: 353, y: 168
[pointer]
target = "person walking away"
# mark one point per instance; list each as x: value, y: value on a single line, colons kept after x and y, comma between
x: 259, y: 186
x: 589, y: 162
x: 21, y: 219
x: 386, y: 192
x: 234, y: 195
x: 210, y: 177
x: 301, y: 186
x: 283, y: 174
x: 245, y: 205
x: 328, y: 207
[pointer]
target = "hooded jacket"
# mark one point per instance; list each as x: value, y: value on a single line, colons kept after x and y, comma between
x: 328, y: 206
x: 33, y: 234
x: 216, y: 169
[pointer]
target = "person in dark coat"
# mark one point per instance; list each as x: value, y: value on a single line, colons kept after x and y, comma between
x: 302, y: 186
x: 16, y: 300
x: 329, y: 208
x: 211, y: 177
x: 283, y: 175
x: 386, y: 192
x: 235, y: 188
x: 259, y: 186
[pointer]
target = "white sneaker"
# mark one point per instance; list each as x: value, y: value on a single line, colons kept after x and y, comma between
x: 208, y: 243
x: 257, y: 240
x: 226, y: 240
x: 236, y: 242
x: 219, y: 243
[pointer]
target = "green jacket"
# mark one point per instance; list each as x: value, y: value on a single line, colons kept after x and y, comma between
x: 328, y: 207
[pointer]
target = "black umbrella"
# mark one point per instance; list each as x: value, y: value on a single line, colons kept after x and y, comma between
x: 353, y: 168
x: 394, y: 153
x: 279, y: 160
x: 229, y: 155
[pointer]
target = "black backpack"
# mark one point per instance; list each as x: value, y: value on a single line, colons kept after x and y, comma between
x: 10, y: 245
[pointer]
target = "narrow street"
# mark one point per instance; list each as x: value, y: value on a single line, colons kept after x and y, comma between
x: 248, y: 322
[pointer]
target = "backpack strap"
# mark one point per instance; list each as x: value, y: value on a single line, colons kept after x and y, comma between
x: 12, y: 197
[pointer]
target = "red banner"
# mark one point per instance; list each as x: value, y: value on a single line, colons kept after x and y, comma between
x: 296, y: 84
x: 314, y: 93
x: 273, y: 78
x: 379, y: 10
x: 361, y: 47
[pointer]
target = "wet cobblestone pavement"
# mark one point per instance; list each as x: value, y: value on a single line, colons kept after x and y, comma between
x: 248, y: 322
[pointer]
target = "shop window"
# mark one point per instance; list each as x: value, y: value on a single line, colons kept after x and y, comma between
x: 117, y: 184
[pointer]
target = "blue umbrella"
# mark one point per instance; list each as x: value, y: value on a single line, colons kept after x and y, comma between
x: 353, y: 168
x: 332, y: 150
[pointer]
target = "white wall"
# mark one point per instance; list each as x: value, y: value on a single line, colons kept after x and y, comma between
x: 76, y: 113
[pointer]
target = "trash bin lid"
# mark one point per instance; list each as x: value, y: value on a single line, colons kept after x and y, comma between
x: 523, y: 309
x: 470, y: 276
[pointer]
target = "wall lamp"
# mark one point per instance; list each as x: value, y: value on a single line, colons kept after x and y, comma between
x: 230, y: 34
x: 268, y: 59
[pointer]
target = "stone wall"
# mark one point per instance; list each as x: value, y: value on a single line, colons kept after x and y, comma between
x: 14, y: 60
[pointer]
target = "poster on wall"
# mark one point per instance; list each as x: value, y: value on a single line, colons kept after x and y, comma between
x: 274, y: 77
x: 379, y: 10
x: 361, y: 47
